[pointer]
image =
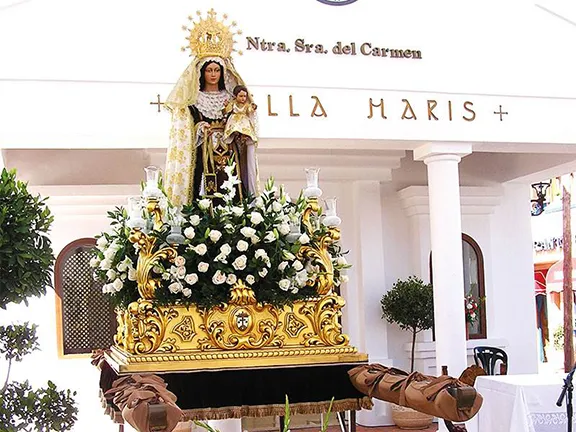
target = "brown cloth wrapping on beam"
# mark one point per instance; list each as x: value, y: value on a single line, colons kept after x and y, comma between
x: 444, y: 397
x: 145, y: 403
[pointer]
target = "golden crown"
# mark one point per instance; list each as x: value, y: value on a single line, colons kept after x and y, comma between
x: 210, y: 37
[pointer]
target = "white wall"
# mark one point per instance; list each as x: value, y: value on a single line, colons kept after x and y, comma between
x: 68, y: 64
x: 512, y: 290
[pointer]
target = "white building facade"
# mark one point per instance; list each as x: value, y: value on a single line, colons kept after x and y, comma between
x: 442, y: 136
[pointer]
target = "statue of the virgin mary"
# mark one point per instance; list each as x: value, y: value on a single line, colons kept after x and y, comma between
x: 197, y: 151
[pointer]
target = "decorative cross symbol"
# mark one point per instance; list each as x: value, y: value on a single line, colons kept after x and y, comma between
x: 157, y: 102
x: 501, y: 113
x: 242, y: 320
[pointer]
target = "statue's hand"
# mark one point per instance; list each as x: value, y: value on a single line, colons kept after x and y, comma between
x: 202, y: 126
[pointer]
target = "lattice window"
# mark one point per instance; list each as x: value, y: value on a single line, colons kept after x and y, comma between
x: 85, y: 318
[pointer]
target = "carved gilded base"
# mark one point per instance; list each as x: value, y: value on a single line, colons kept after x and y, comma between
x: 241, y: 333
x: 158, y: 363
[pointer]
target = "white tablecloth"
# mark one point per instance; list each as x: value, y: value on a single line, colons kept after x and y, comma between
x: 520, y: 403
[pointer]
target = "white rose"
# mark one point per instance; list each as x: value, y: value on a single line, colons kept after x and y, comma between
x: 250, y: 279
x: 304, y: 239
x: 191, y: 278
x: 110, y: 253
x: 283, y: 266
x: 295, y: 290
x: 118, y: 285
x: 341, y: 261
x: 219, y: 278
x: 231, y: 279
x: 174, y: 271
x: 106, y: 288
x: 263, y: 272
x: 221, y: 257
x: 256, y: 218
x: 189, y: 233
x: 255, y: 239
x: 302, y: 277
x: 94, y: 262
x: 240, y: 262
x: 283, y: 229
x: 259, y: 202
x: 247, y: 232
x: 201, y: 249
x: 166, y: 276
x: 229, y: 228
x: 297, y: 265
x: 242, y: 246
x: 261, y: 253
x: 276, y: 206
x: 102, y: 243
x: 270, y: 237
x: 106, y: 264
x: 111, y: 274
x: 187, y: 292
x: 131, y: 274
x: 203, y: 267
x: 215, y: 235
x: 288, y: 255
x: 344, y: 278
x: 181, y: 273
x: 225, y: 249
x: 194, y: 220
x: 122, y: 266
x: 284, y: 284
x: 204, y: 203
x: 175, y: 287
x: 237, y: 211
x: 180, y: 261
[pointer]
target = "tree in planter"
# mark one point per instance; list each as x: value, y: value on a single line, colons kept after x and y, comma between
x: 26, y: 264
x: 410, y: 304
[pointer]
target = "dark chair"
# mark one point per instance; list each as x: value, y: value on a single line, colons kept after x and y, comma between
x: 487, y: 357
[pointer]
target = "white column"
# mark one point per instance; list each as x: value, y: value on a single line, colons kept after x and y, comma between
x: 446, y: 240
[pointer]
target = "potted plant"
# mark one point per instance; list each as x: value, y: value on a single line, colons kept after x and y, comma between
x: 410, y: 305
x: 26, y: 262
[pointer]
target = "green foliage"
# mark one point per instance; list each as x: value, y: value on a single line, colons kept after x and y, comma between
x: 46, y: 409
x: 26, y: 263
x: 18, y: 340
x: 26, y: 257
x: 410, y: 305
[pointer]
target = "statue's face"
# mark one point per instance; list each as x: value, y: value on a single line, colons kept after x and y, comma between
x: 242, y: 97
x: 212, y: 73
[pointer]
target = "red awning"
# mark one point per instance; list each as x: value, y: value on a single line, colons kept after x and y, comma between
x: 555, y: 276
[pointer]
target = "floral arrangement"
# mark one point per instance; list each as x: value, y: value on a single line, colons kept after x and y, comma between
x: 471, y: 308
x: 255, y: 240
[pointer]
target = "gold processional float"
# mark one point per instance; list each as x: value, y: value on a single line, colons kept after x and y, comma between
x: 240, y: 333
x: 220, y: 274
x: 161, y: 328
